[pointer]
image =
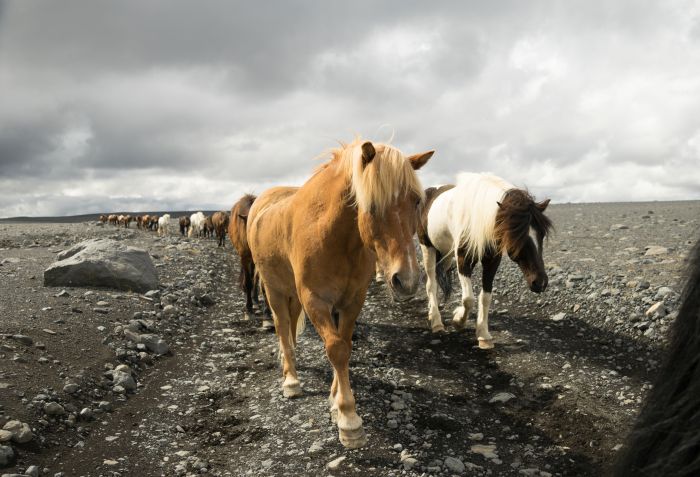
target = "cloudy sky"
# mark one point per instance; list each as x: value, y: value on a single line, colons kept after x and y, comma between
x: 153, y: 105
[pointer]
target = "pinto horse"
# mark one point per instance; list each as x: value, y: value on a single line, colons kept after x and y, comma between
x: 479, y: 220
x: 184, y: 225
x: 315, y: 248
x: 665, y: 439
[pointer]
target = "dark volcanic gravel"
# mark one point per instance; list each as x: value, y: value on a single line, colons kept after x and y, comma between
x: 555, y: 397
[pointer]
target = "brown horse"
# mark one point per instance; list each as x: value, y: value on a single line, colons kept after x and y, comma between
x: 103, y: 218
x: 153, y: 222
x: 316, y: 247
x: 127, y: 220
x: 208, y: 228
x: 139, y: 221
x: 220, y: 222
x: 113, y: 219
x: 184, y: 225
x: 248, y: 278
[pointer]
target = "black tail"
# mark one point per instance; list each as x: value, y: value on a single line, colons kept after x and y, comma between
x: 443, y: 276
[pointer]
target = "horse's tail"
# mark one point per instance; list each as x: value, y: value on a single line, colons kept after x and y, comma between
x: 443, y: 275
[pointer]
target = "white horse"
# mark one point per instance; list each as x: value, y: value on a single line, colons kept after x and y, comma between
x: 163, y: 224
x: 478, y: 220
x: 196, y: 224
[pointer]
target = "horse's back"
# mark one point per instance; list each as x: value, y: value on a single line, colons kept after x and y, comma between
x: 438, y: 221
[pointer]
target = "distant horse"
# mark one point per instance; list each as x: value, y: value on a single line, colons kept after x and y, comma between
x: 237, y: 235
x: 153, y: 222
x: 196, y: 224
x: 220, y: 222
x: 208, y: 228
x: 479, y: 220
x: 184, y: 225
x: 316, y: 247
x: 139, y: 221
x: 113, y: 219
x: 127, y: 220
x: 164, y: 225
x: 665, y: 440
x: 103, y: 218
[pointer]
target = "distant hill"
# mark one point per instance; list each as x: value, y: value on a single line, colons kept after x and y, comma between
x: 72, y: 219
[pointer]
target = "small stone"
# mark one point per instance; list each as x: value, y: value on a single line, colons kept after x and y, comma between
x: 558, y: 317
x: 501, y: 397
x: 32, y: 471
x: 123, y: 379
x: 654, y: 250
x: 21, y: 432
x: 86, y: 414
x: 25, y: 340
x: 7, y: 456
x: 54, y: 409
x: 455, y: 465
x: 618, y: 227
x: 317, y: 446
x: 335, y: 462
x: 5, y: 435
x: 487, y: 450
x: 657, y: 309
x: 62, y: 294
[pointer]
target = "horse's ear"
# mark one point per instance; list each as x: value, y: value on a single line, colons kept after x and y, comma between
x: 500, y: 206
x: 418, y: 160
x: 543, y: 205
x: 368, y: 153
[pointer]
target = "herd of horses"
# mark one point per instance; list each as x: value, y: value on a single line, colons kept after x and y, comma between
x: 313, y: 250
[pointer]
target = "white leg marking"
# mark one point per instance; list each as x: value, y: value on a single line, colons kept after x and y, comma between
x: 431, y: 289
x: 482, y: 321
x: 461, y: 313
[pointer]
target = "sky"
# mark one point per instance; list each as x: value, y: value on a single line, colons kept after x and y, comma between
x: 170, y: 105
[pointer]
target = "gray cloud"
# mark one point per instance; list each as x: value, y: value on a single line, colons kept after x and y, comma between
x: 143, y: 105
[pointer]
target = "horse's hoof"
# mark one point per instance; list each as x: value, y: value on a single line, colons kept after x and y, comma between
x: 459, y: 325
x: 439, y: 328
x: 291, y: 390
x: 247, y: 316
x: 268, y: 325
x: 485, y: 344
x: 354, y: 438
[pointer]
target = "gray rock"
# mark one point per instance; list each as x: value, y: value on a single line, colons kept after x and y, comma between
x: 123, y: 379
x: 654, y: 250
x: 618, y: 227
x: 558, y: 317
x: 71, y: 388
x: 86, y: 414
x: 32, y: 471
x: 455, y: 465
x: 54, y: 409
x: 103, y: 263
x: 25, y: 340
x: 7, y: 456
x: 21, y: 433
x: 501, y: 397
x: 335, y: 462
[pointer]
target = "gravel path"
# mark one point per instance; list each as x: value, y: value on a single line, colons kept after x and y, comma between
x: 555, y: 397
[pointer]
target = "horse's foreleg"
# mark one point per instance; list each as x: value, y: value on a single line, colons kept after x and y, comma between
x: 490, y: 266
x: 464, y: 271
x: 281, y: 312
x: 337, y: 341
x: 434, y: 318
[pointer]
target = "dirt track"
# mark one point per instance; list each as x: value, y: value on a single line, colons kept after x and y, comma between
x: 574, y: 385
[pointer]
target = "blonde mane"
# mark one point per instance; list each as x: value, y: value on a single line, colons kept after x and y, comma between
x: 377, y: 185
x: 474, y: 210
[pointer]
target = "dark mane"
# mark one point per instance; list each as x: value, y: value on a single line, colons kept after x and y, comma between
x: 666, y: 437
x: 517, y: 212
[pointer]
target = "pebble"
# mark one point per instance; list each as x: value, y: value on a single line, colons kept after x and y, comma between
x: 558, y: 317
x: 487, y: 450
x: 502, y: 397
x: 654, y: 250
x: 335, y: 462
x: 7, y: 455
x: 454, y: 464
x: 54, y: 409
x: 21, y: 432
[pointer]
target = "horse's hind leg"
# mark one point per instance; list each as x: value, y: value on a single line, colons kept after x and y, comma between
x: 434, y: 318
x: 281, y: 311
x: 464, y: 270
x: 490, y: 266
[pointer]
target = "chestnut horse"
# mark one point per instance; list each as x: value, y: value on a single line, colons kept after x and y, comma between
x: 479, y: 220
x: 237, y: 235
x: 113, y: 219
x: 220, y: 222
x: 315, y: 248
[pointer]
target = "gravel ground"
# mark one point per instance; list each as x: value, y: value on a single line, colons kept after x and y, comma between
x: 555, y: 397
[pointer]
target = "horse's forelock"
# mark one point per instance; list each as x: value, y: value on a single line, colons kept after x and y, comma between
x: 376, y: 185
x: 517, y: 213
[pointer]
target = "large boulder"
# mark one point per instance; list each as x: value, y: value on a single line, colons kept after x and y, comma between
x: 103, y: 263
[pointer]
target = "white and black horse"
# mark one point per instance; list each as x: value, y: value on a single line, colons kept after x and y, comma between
x: 479, y: 220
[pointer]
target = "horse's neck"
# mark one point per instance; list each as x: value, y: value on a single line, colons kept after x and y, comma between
x: 339, y: 214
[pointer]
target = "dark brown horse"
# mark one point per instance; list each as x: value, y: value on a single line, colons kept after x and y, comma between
x: 208, y: 228
x: 184, y: 225
x: 220, y: 222
x: 248, y: 278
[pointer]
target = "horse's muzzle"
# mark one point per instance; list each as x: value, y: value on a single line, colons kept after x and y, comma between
x: 403, y: 289
x: 539, y: 285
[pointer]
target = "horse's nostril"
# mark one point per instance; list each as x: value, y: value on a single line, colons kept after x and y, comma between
x: 396, y: 281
